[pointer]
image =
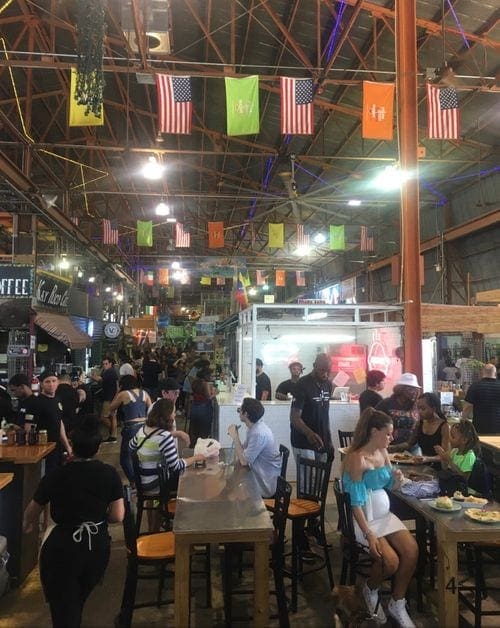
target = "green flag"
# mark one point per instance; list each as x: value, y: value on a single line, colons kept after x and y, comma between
x: 337, y: 237
x: 244, y: 279
x: 144, y: 233
x: 242, y: 104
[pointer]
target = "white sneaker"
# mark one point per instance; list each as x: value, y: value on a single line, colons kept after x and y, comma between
x: 373, y: 604
x: 397, y: 610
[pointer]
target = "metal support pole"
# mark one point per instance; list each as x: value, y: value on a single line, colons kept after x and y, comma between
x: 406, y: 58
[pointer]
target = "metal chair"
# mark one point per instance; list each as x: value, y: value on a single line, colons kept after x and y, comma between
x: 168, y: 492
x: 280, y: 509
x: 345, y: 438
x: 312, y: 489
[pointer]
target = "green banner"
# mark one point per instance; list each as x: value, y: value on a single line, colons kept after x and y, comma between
x: 144, y: 233
x: 242, y: 103
x: 337, y: 237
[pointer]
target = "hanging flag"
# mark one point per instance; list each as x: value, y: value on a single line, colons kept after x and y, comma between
x: 276, y: 235
x: 240, y: 295
x: 303, y: 240
x: 297, y: 112
x: 175, y: 106
x: 242, y: 104
x: 367, y: 243
x: 182, y: 238
x: 109, y: 231
x: 215, y: 235
x: 378, y: 110
x: 221, y: 281
x: 163, y: 277
x: 150, y: 278
x: 151, y: 310
x: 75, y: 220
x: 442, y: 113
x: 280, y: 278
x: 205, y: 281
x: 337, y: 237
x: 260, y: 279
x: 76, y: 114
x: 300, y: 278
x: 244, y: 279
x: 144, y: 233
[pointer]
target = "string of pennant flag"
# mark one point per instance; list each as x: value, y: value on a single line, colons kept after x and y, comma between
x: 175, y: 107
x: 276, y: 235
x: 162, y: 277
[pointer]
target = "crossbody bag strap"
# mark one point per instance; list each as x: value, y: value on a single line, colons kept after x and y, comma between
x: 149, y: 436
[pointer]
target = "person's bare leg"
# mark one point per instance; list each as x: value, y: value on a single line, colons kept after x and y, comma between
x: 384, y: 567
x: 407, y: 549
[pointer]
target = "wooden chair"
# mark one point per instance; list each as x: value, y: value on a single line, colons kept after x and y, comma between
x: 345, y: 438
x: 312, y: 489
x: 280, y: 509
x: 149, y: 549
x: 479, y: 588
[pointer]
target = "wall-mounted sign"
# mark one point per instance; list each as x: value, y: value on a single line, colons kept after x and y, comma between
x: 52, y: 291
x: 16, y: 281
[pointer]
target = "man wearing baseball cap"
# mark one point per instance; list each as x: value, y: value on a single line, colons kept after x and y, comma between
x: 287, y: 387
x: 401, y: 407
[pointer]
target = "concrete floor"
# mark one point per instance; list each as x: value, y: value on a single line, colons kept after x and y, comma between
x: 25, y: 607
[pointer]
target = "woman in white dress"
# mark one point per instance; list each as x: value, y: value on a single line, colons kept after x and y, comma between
x: 367, y: 472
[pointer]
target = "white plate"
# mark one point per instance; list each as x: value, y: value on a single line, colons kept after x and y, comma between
x: 468, y: 514
x: 466, y: 504
x: 456, y: 507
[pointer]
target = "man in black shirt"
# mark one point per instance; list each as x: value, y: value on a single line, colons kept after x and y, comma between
x: 20, y: 388
x: 48, y: 416
x: 482, y: 402
x: 262, y: 382
x: 288, y: 386
x: 70, y: 401
x: 109, y: 383
x: 374, y: 384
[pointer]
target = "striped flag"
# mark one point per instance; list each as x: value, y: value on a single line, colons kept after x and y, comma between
x: 300, y: 279
x: 303, y: 240
x: 109, y: 231
x: 297, y: 113
x: 74, y: 220
x: 182, y: 238
x: 175, y: 106
x: 367, y: 243
x: 260, y: 279
x: 442, y: 113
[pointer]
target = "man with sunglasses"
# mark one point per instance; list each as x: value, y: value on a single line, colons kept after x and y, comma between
x: 258, y: 451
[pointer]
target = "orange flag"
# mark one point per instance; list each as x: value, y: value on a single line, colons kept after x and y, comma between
x: 378, y: 110
x: 163, y: 276
x: 215, y: 235
x: 280, y: 278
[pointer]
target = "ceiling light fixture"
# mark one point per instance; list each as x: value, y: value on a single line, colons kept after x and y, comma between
x: 91, y: 279
x: 265, y: 287
x: 320, y: 238
x: 152, y: 170
x: 63, y: 263
x: 391, y: 178
x: 107, y: 289
x: 252, y: 292
x: 354, y: 202
x: 301, y: 251
x: 162, y: 209
x: 176, y: 265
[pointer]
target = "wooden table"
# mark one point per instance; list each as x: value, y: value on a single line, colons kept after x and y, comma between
x: 23, y: 463
x: 490, y: 453
x: 451, y: 529
x: 220, y: 504
x: 5, y: 478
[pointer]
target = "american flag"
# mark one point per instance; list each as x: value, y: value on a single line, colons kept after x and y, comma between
x: 297, y: 113
x: 182, y: 238
x: 175, y: 107
x: 74, y: 220
x: 302, y: 238
x: 442, y: 113
x: 260, y: 278
x: 367, y: 239
x: 109, y: 231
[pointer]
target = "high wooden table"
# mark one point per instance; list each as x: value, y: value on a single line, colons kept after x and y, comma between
x: 490, y: 453
x: 451, y: 529
x: 5, y: 478
x: 220, y: 504
x: 24, y: 463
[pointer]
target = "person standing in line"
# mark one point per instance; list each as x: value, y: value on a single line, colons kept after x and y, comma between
x: 482, y: 402
x: 109, y: 382
x: 287, y: 387
x: 258, y: 451
x: 262, y: 382
x: 202, y: 407
x: 187, y: 386
x: 84, y: 496
x: 151, y: 371
x: 70, y: 400
x: 374, y: 384
x: 468, y: 372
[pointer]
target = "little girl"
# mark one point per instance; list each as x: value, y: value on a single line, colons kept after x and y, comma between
x: 462, y: 456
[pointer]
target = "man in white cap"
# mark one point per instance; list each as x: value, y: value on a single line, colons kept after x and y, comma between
x: 401, y: 407
x: 287, y: 387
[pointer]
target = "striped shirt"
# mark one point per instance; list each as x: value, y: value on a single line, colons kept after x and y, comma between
x: 157, y: 448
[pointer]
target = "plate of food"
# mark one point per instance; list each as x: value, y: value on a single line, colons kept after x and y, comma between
x: 444, y: 504
x: 469, y: 501
x: 406, y: 458
x: 483, y: 516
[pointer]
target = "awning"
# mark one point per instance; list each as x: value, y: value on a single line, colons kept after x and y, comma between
x: 61, y: 328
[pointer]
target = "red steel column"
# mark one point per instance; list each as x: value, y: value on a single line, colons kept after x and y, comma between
x: 406, y: 57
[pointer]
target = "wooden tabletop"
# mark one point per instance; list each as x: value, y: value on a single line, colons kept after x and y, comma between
x: 25, y: 454
x: 490, y: 441
x: 5, y: 478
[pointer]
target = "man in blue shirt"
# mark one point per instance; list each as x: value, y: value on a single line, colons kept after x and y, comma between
x: 258, y: 451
